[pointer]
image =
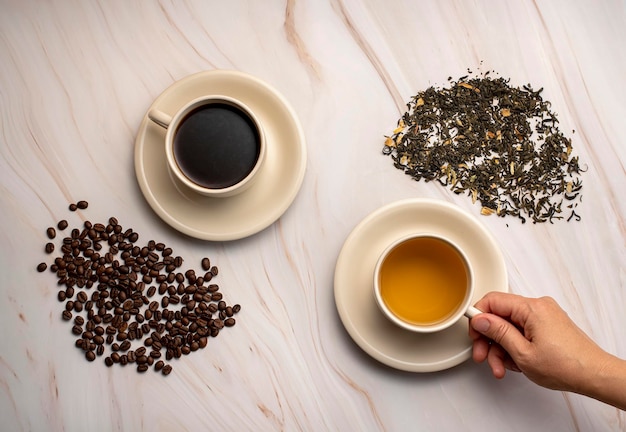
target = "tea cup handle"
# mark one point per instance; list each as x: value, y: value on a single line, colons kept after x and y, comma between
x: 471, y: 312
x: 160, y: 118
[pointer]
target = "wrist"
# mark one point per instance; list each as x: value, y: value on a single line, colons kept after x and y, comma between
x: 606, y: 381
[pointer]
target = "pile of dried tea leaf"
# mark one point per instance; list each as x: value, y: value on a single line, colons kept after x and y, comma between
x: 498, y: 144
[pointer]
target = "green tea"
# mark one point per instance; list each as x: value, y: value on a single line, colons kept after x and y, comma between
x: 424, y: 280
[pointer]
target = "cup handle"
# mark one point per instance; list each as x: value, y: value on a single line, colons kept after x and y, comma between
x: 471, y: 312
x: 160, y: 118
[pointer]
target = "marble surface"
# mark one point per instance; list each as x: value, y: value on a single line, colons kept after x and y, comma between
x: 76, y: 78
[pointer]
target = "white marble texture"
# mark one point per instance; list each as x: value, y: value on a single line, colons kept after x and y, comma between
x: 76, y: 78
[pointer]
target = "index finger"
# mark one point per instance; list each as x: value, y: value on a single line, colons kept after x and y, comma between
x: 512, y: 307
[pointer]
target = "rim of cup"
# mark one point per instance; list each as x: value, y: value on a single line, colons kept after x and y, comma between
x: 172, y: 128
x: 464, y: 309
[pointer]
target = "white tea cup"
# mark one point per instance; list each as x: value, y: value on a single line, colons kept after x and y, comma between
x: 424, y: 283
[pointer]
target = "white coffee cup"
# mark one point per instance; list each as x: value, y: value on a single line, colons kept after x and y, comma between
x: 423, y: 282
x: 215, y: 145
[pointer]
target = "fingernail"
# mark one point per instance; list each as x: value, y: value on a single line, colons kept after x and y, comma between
x: 480, y: 324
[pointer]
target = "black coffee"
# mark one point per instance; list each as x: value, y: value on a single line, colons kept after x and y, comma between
x: 216, y: 146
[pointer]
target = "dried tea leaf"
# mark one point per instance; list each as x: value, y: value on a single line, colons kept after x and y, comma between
x: 469, y: 86
x: 503, y: 141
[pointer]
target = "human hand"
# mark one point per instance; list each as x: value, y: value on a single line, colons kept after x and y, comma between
x: 536, y: 337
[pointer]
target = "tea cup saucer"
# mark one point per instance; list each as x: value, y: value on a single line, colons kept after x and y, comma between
x: 242, y: 215
x: 354, y: 279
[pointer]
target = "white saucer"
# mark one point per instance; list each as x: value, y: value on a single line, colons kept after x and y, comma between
x: 354, y: 274
x: 251, y: 211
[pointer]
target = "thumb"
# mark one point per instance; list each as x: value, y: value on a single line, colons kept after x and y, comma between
x: 502, y: 332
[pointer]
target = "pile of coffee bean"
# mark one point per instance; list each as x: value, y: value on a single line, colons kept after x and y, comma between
x: 118, y: 294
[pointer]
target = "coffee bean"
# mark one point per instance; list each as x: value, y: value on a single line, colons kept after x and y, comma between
x: 90, y: 356
x: 73, y: 207
x: 49, y: 248
x: 51, y: 232
x: 82, y: 205
x: 229, y: 322
x: 108, y: 361
x: 206, y: 264
x: 42, y: 267
x: 167, y: 369
x: 67, y: 315
x: 62, y: 224
x: 142, y: 368
x: 159, y: 365
x: 202, y: 342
